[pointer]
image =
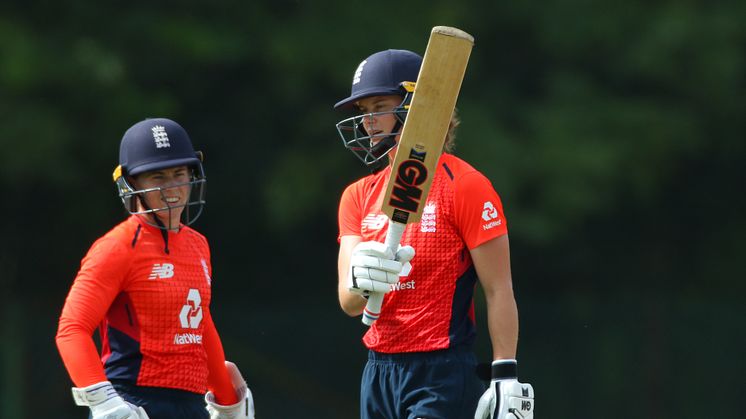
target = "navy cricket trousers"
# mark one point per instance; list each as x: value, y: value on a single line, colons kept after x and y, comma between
x: 164, y: 403
x: 431, y: 385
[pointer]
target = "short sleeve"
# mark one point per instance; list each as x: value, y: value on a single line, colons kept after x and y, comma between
x: 478, y: 210
x: 349, y: 215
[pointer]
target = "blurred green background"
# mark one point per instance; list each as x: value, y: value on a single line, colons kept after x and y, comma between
x: 613, y: 131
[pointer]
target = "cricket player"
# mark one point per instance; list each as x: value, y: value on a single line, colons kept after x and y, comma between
x: 146, y: 286
x: 420, y: 362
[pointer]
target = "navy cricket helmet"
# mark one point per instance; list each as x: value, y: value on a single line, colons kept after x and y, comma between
x: 390, y: 72
x: 382, y: 74
x: 155, y: 144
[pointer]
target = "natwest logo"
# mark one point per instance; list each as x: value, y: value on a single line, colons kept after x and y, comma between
x: 489, y: 212
x: 401, y: 286
x: 491, y: 216
x: 187, y: 339
x: 191, y: 313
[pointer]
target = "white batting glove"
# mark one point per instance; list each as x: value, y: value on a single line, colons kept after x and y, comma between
x: 506, y: 398
x: 374, y: 267
x: 105, y: 403
x: 244, y: 409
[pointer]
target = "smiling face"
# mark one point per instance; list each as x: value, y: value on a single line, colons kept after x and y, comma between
x: 170, y: 193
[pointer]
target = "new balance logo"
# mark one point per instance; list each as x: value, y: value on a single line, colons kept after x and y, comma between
x: 160, y: 136
x: 374, y: 221
x: 162, y: 271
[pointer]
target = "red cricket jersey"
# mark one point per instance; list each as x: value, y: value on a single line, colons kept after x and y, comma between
x: 152, y: 310
x: 433, y: 306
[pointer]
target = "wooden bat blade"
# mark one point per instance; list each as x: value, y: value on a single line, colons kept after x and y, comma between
x: 426, y: 126
x: 421, y: 142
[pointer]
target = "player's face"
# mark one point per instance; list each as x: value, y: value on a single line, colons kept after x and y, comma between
x: 171, y: 192
x: 379, y: 118
x: 373, y: 122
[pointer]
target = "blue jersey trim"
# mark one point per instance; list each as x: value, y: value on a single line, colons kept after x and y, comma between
x: 462, y: 329
x: 125, y: 360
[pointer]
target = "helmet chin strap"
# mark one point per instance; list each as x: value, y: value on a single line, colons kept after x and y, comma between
x: 383, y: 146
x: 162, y: 227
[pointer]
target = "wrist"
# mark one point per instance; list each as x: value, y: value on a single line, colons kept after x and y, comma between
x: 212, y: 401
x: 503, y: 369
x: 95, y: 394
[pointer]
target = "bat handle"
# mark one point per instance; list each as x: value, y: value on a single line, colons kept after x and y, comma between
x: 375, y: 299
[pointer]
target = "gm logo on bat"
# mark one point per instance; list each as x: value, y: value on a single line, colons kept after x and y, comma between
x: 406, y: 193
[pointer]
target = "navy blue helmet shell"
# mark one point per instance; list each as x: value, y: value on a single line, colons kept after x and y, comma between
x: 155, y: 144
x: 382, y: 74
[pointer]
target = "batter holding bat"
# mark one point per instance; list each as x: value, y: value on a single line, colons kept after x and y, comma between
x: 418, y: 295
x: 146, y: 285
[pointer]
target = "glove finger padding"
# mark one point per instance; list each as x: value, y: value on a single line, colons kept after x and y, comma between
x: 506, y: 398
x: 105, y: 402
x: 374, y: 262
x: 373, y: 267
x: 405, y: 254
x: 364, y: 286
x: 516, y: 400
x: 243, y: 409
x: 375, y: 275
x: 373, y: 248
x: 486, y: 406
x: 141, y: 414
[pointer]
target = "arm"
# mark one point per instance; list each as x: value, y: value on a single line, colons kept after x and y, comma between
x: 506, y: 397
x: 351, y: 303
x: 77, y: 350
x: 218, y: 380
x: 228, y: 397
x: 481, y: 221
x: 492, y: 262
x: 98, y: 282
x: 367, y: 267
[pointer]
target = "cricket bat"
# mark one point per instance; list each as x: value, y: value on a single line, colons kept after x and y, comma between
x: 422, y: 138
